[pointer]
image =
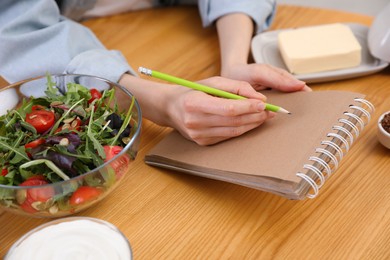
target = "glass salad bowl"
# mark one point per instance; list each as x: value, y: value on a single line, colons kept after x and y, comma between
x: 66, y: 141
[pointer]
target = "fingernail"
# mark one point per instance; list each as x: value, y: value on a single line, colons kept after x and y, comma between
x: 307, y: 88
x: 264, y: 98
x: 260, y: 106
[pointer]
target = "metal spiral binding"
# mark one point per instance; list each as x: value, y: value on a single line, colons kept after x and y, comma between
x: 365, y: 112
x: 323, y: 163
x: 342, y: 139
x: 338, y: 143
x: 353, y: 127
x: 317, y: 172
x: 367, y: 103
x: 331, y: 156
x: 358, y: 119
x: 312, y: 183
x: 336, y: 147
x: 344, y: 130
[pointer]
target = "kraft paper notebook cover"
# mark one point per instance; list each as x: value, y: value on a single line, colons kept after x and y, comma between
x: 289, y: 155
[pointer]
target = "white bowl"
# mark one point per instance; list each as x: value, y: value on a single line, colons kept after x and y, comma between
x: 383, y: 135
x: 72, y: 237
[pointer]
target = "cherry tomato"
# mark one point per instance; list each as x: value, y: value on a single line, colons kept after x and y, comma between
x: 111, y: 151
x: 84, y: 194
x: 37, y: 107
x: 4, y: 172
x: 26, y: 206
x: 34, y: 180
x: 121, y: 164
x: 95, y: 94
x: 35, y: 143
x: 41, y: 120
x: 36, y: 194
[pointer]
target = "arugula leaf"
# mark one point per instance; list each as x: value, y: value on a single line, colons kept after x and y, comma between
x: 51, y: 91
x: 48, y: 163
x: 99, y: 148
x: 13, y: 149
x: 20, y: 156
x: 6, y: 194
x: 55, y: 127
x: 28, y: 127
x: 76, y: 92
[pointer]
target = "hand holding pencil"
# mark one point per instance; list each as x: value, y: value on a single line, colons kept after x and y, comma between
x: 205, y: 89
x: 201, y: 117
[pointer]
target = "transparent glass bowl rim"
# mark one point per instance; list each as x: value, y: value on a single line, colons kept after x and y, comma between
x: 124, y: 150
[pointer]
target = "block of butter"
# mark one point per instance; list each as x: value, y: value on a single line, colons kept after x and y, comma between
x: 319, y: 48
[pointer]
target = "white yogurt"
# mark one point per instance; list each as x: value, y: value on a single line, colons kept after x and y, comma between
x: 74, y: 238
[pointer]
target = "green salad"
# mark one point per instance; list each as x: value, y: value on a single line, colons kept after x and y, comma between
x: 58, y: 137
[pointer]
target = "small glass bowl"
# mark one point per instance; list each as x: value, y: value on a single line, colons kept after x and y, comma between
x: 383, y: 135
x: 97, y: 238
x: 105, y: 177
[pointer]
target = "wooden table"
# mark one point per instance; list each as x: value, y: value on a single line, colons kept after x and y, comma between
x: 168, y: 215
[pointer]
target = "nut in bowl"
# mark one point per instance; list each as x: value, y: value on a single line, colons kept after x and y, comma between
x: 66, y: 141
x: 384, y: 129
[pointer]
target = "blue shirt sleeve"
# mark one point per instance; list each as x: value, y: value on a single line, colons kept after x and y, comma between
x: 35, y: 39
x: 261, y: 11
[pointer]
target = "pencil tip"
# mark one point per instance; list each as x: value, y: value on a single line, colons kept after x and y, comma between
x: 282, y: 110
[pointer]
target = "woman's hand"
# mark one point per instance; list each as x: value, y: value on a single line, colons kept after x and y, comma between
x: 206, y: 119
x: 198, y: 116
x: 263, y: 76
x: 235, y: 32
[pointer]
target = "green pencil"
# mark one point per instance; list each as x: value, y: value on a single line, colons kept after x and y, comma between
x: 203, y: 88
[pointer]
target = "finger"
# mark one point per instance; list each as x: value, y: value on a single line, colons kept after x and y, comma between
x: 277, y: 78
x: 210, y: 120
x: 237, y: 87
x: 204, y: 103
x: 210, y: 141
x: 217, y: 134
x: 307, y: 88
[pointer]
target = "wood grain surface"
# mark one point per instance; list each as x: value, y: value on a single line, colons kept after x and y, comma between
x: 168, y: 215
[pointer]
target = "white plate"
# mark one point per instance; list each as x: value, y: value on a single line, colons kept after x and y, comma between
x: 265, y: 50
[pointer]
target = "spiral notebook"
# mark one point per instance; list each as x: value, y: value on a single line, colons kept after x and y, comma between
x: 289, y: 155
